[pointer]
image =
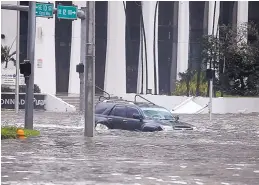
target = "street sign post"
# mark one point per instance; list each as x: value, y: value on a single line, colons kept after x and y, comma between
x: 44, y: 10
x: 66, y: 12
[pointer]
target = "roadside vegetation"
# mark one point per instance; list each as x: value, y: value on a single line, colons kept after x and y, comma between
x: 8, y: 56
x: 9, y: 132
x: 234, y: 54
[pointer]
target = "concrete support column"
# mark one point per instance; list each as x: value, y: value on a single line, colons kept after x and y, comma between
x: 45, y: 68
x: 73, y: 86
x: 141, y: 85
x: 183, y: 37
x: 242, y: 15
x: 211, y: 7
x: 173, y: 75
x: 150, y: 19
x: 242, y: 12
x: 115, y: 69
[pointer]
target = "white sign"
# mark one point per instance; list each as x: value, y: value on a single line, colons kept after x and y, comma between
x: 39, y: 63
x: 8, y: 75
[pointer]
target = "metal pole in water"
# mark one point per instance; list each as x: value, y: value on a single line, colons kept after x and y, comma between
x: 17, y: 62
x: 210, y: 93
x: 82, y: 57
x: 30, y: 55
x: 90, y: 71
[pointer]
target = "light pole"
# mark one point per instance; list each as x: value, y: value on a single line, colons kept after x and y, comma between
x: 17, y: 61
x: 90, y: 70
x: 29, y: 105
x: 210, y: 75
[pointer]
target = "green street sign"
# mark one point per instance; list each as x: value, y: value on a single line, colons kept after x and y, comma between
x: 66, y: 12
x: 44, y: 10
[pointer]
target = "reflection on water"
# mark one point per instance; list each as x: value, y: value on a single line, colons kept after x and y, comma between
x: 224, y: 151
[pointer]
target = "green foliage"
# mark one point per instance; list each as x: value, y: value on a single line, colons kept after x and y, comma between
x: 235, y: 59
x: 21, y: 89
x: 181, y: 89
x: 182, y: 84
x: 9, y: 132
x: 7, y: 55
x: 36, y: 88
x: 6, y: 89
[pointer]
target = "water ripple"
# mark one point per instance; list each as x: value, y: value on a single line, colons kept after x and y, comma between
x: 224, y: 151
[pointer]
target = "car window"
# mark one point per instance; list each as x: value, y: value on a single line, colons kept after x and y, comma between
x: 119, y: 111
x: 100, y: 108
x: 131, y: 111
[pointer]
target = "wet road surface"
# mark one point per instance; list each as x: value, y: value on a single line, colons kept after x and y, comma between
x: 225, y: 152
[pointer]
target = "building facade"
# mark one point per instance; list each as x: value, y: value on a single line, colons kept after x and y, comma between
x: 139, y: 46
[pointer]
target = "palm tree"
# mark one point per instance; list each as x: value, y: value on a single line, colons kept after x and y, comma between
x: 7, y: 56
x: 186, y: 77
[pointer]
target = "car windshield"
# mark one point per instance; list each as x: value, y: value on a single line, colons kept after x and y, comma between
x: 157, y: 113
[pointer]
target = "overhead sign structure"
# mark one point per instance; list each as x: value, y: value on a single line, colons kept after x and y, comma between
x: 44, y: 10
x: 67, y: 12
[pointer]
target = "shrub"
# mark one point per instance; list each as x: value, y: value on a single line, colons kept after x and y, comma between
x: 36, y: 89
x: 181, y: 86
x: 22, y: 89
x: 6, y: 89
x: 9, y: 132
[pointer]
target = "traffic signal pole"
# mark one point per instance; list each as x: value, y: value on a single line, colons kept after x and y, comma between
x: 17, y: 62
x: 90, y: 70
x: 30, y: 56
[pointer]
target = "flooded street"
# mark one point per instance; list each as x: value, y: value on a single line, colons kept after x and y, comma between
x: 224, y: 151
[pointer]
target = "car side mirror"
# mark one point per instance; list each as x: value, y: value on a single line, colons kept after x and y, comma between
x: 176, y: 118
x: 137, y: 116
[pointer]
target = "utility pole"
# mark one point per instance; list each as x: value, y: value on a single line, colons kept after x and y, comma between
x: 210, y: 94
x: 84, y: 28
x: 212, y: 71
x: 17, y: 62
x: 210, y: 75
x: 90, y: 70
x: 212, y: 33
x: 29, y: 105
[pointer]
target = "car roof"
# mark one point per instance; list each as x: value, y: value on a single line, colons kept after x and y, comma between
x: 130, y: 103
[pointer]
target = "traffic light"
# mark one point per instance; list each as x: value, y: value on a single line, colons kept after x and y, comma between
x: 210, y: 74
x: 80, y: 68
x: 25, y: 68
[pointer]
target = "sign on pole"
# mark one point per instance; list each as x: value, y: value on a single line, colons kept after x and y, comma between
x: 67, y: 12
x: 44, y: 10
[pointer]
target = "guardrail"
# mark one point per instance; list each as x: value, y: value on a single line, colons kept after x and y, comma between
x: 137, y: 95
x: 100, y: 97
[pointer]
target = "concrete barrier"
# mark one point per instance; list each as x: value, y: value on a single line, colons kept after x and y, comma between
x: 55, y: 104
x: 198, y: 105
x: 168, y: 102
x: 235, y: 105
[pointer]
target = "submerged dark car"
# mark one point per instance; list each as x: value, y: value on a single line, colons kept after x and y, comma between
x: 136, y: 117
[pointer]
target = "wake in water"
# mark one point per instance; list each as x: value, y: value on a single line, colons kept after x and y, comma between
x: 101, y: 128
